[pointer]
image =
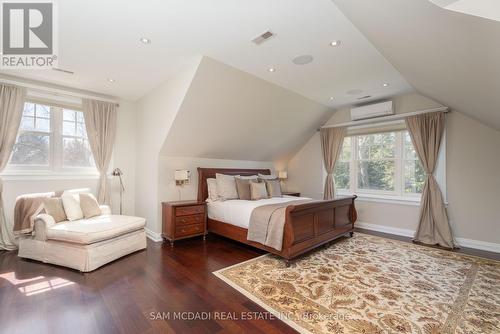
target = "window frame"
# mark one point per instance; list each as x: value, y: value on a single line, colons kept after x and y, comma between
x: 55, y: 168
x: 399, y: 195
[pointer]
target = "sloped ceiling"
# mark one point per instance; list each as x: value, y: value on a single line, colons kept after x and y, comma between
x: 230, y: 114
x: 451, y: 57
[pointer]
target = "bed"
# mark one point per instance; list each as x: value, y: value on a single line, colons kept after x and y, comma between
x: 307, y: 225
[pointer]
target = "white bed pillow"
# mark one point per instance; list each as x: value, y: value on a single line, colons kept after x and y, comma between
x: 251, y: 177
x: 213, y: 196
x: 71, y: 203
x: 267, y: 177
x: 226, y: 186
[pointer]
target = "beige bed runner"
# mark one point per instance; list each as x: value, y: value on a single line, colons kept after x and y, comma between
x: 267, y: 223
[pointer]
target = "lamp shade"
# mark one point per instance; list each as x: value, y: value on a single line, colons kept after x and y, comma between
x: 181, y: 175
x: 283, y: 174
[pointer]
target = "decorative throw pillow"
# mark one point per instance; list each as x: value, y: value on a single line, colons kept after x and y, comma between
x: 226, y: 186
x: 71, y: 204
x: 258, y: 190
x: 243, y: 187
x: 54, y: 207
x: 89, y: 205
x: 267, y: 177
x: 274, y: 188
x: 212, y: 190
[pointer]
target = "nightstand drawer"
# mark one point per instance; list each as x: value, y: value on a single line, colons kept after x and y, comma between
x: 183, y: 231
x: 189, y: 210
x: 189, y: 220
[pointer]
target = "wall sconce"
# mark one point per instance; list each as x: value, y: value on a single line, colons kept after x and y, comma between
x: 181, y: 177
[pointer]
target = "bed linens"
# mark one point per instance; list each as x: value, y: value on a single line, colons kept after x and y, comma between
x: 238, y: 212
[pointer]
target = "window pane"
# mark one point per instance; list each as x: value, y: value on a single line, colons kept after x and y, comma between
x: 377, y: 146
x: 31, y: 149
x: 69, y: 128
x: 27, y: 123
x: 376, y: 175
x: 345, y: 154
x: 42, y: 111
x: 80, y: 130
x: 77, y: 153
x: 43, y: 124
x: 342, y: 175
x: 409, y: 152
x: 29, y: 109
x: 79, y: 117
x: 69, y: 115
x: 414, y: 177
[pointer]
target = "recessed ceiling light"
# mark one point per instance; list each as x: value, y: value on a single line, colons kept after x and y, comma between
x: 271, y: 69
x: 302, y: 60
x: 335, y: 43
x: 111, y: 80
x: 145, y: 40
x: 331, y: 98
x: 385, y: 84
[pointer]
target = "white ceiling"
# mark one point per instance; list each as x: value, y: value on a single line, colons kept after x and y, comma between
x: 100, y: 40
x: 448, y: 56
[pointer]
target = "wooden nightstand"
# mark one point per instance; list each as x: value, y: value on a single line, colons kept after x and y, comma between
x: 183, y: 219
x: 291, y: 193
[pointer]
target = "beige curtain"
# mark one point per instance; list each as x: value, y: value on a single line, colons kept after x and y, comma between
x: 100, y: 121
x: 331, y: 145
x: 11, y: 111
x: 426, y: 131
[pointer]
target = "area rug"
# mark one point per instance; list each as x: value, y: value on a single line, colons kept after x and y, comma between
x: 368, y: 284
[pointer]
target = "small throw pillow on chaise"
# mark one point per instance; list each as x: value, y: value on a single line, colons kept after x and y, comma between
x: 274, y: 188
x: 71, y: 204
x: 89, y: 205
x: 54, y: 207
x: 226, y: 186
x: 258, y: 191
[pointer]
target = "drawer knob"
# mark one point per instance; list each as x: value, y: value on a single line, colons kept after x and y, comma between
x: 183, y: 220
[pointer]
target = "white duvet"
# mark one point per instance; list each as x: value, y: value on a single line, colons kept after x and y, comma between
x: 237, y: 212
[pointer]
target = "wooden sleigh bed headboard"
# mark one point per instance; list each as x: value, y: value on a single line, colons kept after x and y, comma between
x: 207, y: 173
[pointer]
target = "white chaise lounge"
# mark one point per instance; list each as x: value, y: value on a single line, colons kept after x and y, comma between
x: 84, y: 244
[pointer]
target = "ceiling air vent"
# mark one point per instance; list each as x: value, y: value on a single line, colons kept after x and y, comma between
x: 262, y: 38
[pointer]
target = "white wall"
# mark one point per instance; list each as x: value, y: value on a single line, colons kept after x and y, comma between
x: 473, y: 180
x: 168, y: 191
x: 156, y: 112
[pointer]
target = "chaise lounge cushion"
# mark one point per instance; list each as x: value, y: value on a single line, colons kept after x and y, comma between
x: 88, y: 231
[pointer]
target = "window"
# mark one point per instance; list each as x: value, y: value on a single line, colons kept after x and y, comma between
x: 380, y: 165
x: 51, y: 139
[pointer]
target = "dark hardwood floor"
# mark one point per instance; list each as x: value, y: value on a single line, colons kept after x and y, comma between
x: 137, y: 294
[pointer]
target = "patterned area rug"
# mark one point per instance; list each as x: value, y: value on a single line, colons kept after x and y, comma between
x: 368, y: 284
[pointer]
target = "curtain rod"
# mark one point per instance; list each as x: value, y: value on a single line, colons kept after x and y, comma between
x: 385, y: 118
x: 55, y: 91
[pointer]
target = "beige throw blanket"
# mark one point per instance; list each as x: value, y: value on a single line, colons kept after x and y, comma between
x: 267, y: 223
x: 27, y: 208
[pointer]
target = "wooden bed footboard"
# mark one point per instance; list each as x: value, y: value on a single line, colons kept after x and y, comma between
x: 310, y: 225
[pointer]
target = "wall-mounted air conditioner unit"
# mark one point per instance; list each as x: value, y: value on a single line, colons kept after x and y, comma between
x: 372, y: 110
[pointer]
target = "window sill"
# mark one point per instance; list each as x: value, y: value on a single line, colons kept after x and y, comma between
x: 386, y: 199
x: 39, y: 176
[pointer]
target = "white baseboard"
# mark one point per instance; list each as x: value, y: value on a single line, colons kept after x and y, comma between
x: 469, y: 243
x: 154, y: 236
